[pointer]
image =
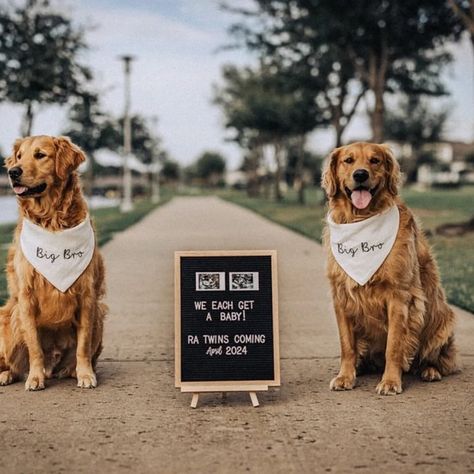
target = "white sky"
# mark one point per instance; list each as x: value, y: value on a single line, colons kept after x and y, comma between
x: 175, y: 43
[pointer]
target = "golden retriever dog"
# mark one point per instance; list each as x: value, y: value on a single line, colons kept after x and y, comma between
x: 399, y: 319
x: 45, y: 332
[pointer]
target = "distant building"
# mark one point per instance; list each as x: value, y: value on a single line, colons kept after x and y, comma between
x: 446, y: 162
x: 235, y: 179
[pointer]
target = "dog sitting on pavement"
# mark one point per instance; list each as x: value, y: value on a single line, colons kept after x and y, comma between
x: 52, y: 323
x: 390, y: 307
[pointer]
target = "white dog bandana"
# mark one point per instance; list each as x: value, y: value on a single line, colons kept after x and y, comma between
x: 361, y: 247
x: 61, y: 257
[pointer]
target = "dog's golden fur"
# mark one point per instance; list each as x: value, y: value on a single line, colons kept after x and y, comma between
x: 399, y: 319
x: 44, y: 332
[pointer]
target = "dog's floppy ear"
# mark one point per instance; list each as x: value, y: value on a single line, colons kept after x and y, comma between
x: 68, y: 156
x: 329, y: 178
x: 392, y: 169
x: 10, y: 160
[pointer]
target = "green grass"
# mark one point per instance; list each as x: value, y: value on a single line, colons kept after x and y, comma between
x: 6, y: 232
x: 108, y: 222
x: 436, y: 207
x: 455, y: 255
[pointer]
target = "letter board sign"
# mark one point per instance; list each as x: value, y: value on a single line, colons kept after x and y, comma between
x: 226, y: 320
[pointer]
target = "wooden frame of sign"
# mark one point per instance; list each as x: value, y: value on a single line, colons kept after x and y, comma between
x: 218, y: 279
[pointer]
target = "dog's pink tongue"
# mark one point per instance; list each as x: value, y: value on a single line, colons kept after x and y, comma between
x: 19, y: 189
x: 361, y: 198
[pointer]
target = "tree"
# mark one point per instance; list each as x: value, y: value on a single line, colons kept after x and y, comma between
x: 393, y: 46
x: 170, y: 171
x: 470, y: 158
x: 414, y: 123
x: 312, y: 165
x: 337, y: 94
x: 146, y: 145
x: 87, y: 128
x: 210, y: 167
x: 252, y: 167
x: 464, y: 10
x: 263, y: 107
x: 39, y: 64
x: 321, y: 69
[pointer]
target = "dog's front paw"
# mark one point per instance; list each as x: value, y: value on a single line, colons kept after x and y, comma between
x: 86, y: 379
x: 430, y: 374
x: 342, y: 382
x: 6, y: 377
x: 35, y: 381
x: 389, y: 387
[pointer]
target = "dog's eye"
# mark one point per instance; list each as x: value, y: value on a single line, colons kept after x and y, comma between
x: 18, y: 157
x: 39, y: 155
x: 374, y: 161
x: 349, y: 160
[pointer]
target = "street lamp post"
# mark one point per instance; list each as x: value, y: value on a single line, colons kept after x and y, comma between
x: 127, y: 204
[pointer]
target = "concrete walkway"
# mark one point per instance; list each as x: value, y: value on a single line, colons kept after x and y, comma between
x: 135, y: 421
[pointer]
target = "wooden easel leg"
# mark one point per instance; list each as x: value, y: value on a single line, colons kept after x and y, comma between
x: 254, y: 399
x: 194, y: 400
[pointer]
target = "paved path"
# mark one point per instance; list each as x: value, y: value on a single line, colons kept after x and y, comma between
x: 135, y: 421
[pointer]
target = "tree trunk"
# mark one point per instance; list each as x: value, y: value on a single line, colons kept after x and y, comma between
x: 278, y: 170
x: 412, y: 164
x: 89, y: 176
x: 378, y: 115
x: 378, y: 64
x: 341, y: 112
x: 339, y: 131
x: 299, y: 183
x: 253, y: 185
x: 27, y: 120
x: 150, y: 177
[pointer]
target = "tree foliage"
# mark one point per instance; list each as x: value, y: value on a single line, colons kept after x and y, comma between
x: 210, y: 167
x: 170, y: 171
x: 87, y: 121
x: 88, y: 127
x: 414, y: 122
x: 267, y: 106
x: 392, y: 46
x: 39, y: 63
x: 464, y: 10
x: 145, y: 143
x: 264, y: 104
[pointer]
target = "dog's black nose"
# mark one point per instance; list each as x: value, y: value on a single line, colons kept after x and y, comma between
x: 15, y: 172
x: 360, y: 175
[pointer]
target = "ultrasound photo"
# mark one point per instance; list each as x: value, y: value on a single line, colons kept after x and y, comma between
x: 210, y: 281
x: 243, y: 281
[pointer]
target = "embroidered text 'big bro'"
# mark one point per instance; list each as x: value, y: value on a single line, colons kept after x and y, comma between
x: 361, y: 247
x: 61, y: 257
